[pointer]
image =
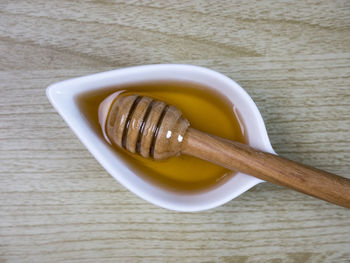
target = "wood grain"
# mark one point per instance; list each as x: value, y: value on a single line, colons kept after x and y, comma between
x: 57, y: 204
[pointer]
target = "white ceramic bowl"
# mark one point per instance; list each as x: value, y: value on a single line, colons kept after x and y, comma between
x: 62, y: 97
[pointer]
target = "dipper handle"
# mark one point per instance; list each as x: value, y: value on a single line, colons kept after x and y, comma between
x: 268, y: 167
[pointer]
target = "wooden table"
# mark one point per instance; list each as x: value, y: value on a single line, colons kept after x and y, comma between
x: 58, y: 205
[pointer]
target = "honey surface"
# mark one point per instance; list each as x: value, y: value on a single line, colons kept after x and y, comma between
x: 206, y: 110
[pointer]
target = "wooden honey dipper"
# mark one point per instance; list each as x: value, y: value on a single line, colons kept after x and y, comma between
x: 156, y: 130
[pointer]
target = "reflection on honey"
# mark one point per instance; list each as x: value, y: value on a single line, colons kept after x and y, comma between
x: 206, y: 110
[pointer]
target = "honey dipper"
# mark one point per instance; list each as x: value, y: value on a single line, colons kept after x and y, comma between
x: 156, y: 130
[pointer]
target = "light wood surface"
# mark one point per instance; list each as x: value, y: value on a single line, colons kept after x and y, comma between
x: 58, y: 205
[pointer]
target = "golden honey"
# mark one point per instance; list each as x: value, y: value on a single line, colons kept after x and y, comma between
x: 206, y: 110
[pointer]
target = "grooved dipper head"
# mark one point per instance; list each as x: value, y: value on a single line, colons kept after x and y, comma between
x: 143, y: 125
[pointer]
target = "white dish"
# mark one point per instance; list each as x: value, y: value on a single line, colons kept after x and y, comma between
x: 62, y: 97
